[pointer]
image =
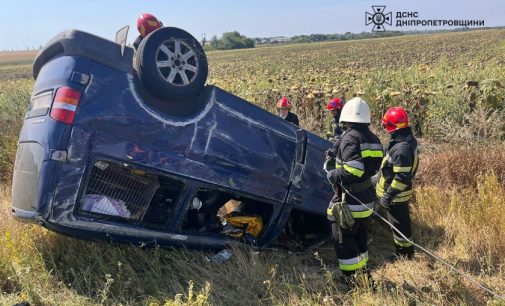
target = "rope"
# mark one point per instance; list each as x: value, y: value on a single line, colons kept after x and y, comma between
x: 453, y: 268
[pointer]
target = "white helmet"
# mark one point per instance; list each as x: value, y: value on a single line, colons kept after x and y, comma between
x: 355, y: 110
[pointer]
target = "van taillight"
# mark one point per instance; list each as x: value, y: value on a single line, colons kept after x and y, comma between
x: 65, y: 104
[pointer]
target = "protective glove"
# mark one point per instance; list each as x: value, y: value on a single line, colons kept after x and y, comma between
x: 329, y: 211
x: 386, y: 201
x: 340, y: 213
x: 330, y: 153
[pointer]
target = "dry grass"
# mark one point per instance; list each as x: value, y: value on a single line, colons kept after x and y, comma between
x: 16, y: 57
x: 447, y: 166
x: 465, y: 228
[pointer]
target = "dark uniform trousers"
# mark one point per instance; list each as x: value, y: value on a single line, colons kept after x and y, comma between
x: 352, y: 253
x: 399, y: 216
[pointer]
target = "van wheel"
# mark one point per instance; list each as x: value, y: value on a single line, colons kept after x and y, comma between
x: 171, y: 64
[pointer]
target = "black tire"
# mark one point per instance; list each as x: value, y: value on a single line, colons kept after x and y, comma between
x: 172, y: 64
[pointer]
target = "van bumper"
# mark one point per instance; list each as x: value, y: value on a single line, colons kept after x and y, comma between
x: 30, y: 159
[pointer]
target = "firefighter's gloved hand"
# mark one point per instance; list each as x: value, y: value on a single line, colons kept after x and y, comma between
x: 329, y: 211
x: 386, y: 201
x: 330, y: 153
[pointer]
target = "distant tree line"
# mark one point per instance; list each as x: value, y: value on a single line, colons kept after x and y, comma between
x: 363, y: 35
x: 234, y: 40
x: 346, y: 36
x: 228, y: 41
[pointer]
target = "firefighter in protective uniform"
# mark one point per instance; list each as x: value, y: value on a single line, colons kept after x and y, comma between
x: 358, y: 155
x: 334, y: 106
x: 284, y: 108
x: 394, y: 187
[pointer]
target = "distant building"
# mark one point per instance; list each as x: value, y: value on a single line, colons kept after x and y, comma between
x: 272, y: 40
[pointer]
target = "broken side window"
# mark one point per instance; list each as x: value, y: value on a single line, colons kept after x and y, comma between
x: 125, y: 194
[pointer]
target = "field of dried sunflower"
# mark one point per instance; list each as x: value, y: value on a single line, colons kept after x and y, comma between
x: 429, y: 75
x: 453, y: 85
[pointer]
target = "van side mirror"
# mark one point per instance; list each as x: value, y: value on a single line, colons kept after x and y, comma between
x: 121, y: 37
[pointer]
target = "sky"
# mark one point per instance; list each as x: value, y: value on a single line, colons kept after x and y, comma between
x: 28, y: 24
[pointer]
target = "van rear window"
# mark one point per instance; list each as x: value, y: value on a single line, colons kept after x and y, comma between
x: 40, y: 104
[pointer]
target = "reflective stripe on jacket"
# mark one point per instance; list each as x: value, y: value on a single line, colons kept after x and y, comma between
x: 358, y: 155
x: 399, y: 167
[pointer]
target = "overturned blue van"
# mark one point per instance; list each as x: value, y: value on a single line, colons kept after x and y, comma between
x: 144, y: 152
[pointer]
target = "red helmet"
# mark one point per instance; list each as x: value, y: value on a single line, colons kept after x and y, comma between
x: 146, y: 23
x: 284, y: 103
x: 395, y: 118
x: 335, y: 103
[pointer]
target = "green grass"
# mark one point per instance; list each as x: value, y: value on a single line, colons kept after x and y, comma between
x: 14, y: 100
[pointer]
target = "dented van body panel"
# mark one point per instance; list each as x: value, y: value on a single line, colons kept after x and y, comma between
x: 145, y: 160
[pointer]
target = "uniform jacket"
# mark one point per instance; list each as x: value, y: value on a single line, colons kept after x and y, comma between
x: 137, y: 42
x: 334, y: 129
x: 399, y: 166
x: 358, y: 155
x: 292, y: 118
